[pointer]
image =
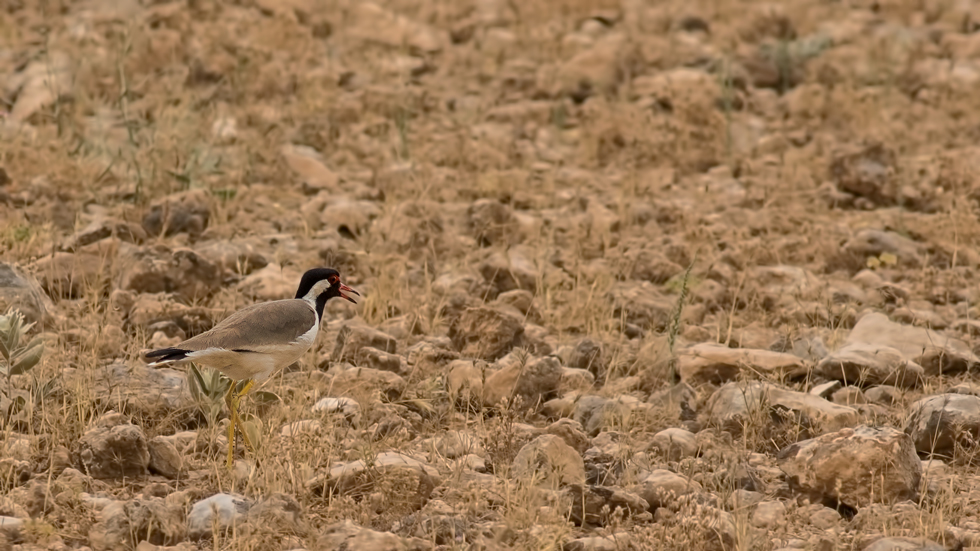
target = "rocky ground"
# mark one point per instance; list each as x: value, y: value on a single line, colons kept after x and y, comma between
x: 635, y: 274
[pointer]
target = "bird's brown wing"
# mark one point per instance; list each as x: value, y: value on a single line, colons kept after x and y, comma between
x: 257, y: 327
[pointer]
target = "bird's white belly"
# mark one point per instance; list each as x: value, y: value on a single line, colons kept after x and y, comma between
x: 258, y: 364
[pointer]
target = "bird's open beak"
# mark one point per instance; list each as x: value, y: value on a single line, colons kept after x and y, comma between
x: 344, y: 288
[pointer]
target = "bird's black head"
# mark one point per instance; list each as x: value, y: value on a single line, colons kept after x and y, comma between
x: 321, y: 285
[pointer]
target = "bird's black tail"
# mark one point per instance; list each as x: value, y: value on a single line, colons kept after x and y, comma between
x: 164, y: 355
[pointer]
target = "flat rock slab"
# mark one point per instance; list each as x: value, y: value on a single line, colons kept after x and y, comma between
x: 854, y: 467
x: 718, y: 364
x: 347, y: 536
x: 871, y: 364
x: 344, y: 477
x: 661, y: 488
x: 486, y: 333
x: 549, y: 460
x: 221, y: 511
x: 904, y: 544
x: 938, y: 423
x: 20, y: 290
x: 151, y: 392
x: 114, y: 452
x: 732, y: 405
x: 592, y: 505
x: 880, y: 351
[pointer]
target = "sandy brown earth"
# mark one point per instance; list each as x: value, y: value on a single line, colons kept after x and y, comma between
x: 635, y: 274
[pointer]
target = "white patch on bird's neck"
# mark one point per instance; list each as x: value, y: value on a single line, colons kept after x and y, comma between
x: 318, y: 288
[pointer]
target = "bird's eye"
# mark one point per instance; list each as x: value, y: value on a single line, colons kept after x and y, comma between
x: 332, y: 280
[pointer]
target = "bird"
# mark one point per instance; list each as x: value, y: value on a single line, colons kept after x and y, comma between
x: 252, y: 344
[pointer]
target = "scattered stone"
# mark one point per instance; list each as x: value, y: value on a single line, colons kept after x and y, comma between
x: 376, y: 359
x: 14, y: 472
x: 718, y: 364
x: 676, y: 444
x: 125, y: 523
x: 233, y: 257
x: 41, y: 83
x: 866, y: 171
x: 854, y: 467
x: 373, y: 23
x: 937, y: 424
x: 596, y: 505
x: 571, y: 432
x: 219, y: 512
x: 597, y: 70
x: 118, y: 451
x: 492, y: 223
x: 588, y: 355
x: 641, y: 304
x: 309, y: 165
x: 606, y: 447
x: 163, y: 313
x: 157, y: 269
x: 549, y: 460
x: 825, y: 518
x: 347, y: 536
x: 360, y: 475
x: 455, y: 444
x: 903, y: 348
x: 510, y: 272
x: 519, y: 299
x: 278, y: 514
x: 10, y: 528
x: 904, y: 544
x: 736, y: 403
x: 826, y: 390
x: 575, y: 380
x: 348, y: 217
x: 36, y: 497
x: 20, y: 290
x: 745, y: 499
x: 614, y: 542
x: 849, y: 396
x: 768, y: 514
x: 872, y: 243
x: 185, y: 212
x: 967, y: 387
x: 164, y: 458
x: 862, y: 364
x: 149, y: 392
x: 103, y: 228
x: 532, y: 379
x: 272, y: 282
x: 661, y: 488
x: 353, y: 337
x: 883, y: 395
x: 363, y: 382
x: 305, y: 427
x: 486, y: 333
x: 347, y: 407
x: 464, y: 383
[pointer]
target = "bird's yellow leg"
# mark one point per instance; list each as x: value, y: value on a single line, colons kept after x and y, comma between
x: 232, y: 402
x: 245, y: 389
x: 241, y: 394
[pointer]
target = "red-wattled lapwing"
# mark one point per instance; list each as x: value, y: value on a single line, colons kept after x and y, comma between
x: 259, y: 340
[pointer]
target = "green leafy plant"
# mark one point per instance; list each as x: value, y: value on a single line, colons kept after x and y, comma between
x: 208, y: 388
x: 20, y: 354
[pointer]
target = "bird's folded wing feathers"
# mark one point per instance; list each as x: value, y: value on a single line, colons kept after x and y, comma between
x: 257, y: 327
